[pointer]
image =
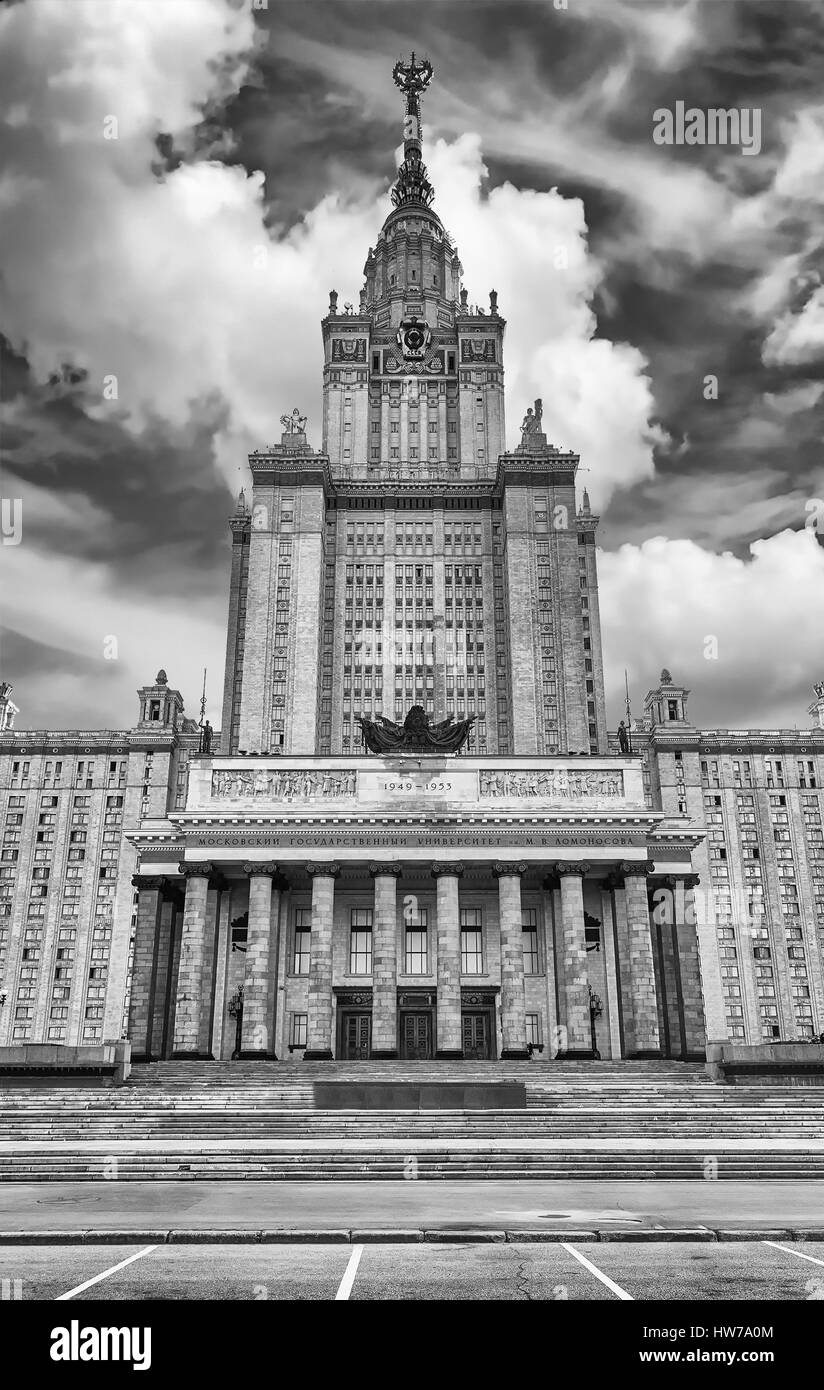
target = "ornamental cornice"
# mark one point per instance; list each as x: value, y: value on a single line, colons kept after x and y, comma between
x: 114, y: 741
x: 608, y: 823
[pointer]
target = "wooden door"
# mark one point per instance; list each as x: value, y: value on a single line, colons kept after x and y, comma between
x: 357, y: 1037
x: 416, y: 1036
x: 476, y: 1035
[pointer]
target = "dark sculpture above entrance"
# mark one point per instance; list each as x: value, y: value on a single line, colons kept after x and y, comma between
x: 415, y: 735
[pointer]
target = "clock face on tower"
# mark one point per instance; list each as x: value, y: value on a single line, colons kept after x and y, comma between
x: 414, y: 336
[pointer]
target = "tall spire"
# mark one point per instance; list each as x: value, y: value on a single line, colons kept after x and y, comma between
x: 412, y: 184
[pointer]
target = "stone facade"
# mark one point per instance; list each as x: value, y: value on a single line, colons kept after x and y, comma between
x: 756, y: 904
x: 481, y: 930
x: 70, y: 916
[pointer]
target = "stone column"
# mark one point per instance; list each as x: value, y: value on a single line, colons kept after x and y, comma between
x: 611, y: 973
x: 385, y: 960
x: 687, y: 960
x: 256, y: 1040
x: 513, y: 993
x: 207, y: 986
x: 641, y: 966
x: 450, y: 1041
x: 189, y: 1000
x: 319, y: 1006
x: 144, y: 964
x: 576, y: 980
x: 626, y: 1022
x: 172, y: 901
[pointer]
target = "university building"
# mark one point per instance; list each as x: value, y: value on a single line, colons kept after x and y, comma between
x: 544, y: 889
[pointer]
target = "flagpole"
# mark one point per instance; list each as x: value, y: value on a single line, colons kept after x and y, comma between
x: 629, y: 711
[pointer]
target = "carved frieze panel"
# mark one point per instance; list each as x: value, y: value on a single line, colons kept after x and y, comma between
x: 564, y: 783
x: 478, y: 350
x: 242, y: 784
x: 360, y: 998
x: 348, y: 349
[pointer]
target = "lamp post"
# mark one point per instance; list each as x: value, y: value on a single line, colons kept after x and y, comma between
x: 596, y: 1008
x: 235, y: 1010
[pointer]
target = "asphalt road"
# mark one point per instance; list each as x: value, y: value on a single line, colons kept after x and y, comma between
x: 529, y: 1271
x: 526, y: 1204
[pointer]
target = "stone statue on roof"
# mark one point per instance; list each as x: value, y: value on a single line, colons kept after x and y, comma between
x: 532, y: 422
x: 294, y: 423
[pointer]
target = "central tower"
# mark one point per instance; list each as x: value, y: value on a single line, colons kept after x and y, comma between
x: 412, y: 560
x: 413, y: 379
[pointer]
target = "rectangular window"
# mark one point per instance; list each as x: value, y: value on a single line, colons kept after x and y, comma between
x: 360, y: 941
x: 303, y: 926
x: 529, y: 921
x: 415, y: 953
x: 472, y: 956
x: 298, y: 1029
x: 533, y: 1030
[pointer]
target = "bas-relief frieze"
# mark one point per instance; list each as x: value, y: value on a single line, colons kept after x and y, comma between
x: 240, y: 784
x: 559, y: 782
x: 276, y: 784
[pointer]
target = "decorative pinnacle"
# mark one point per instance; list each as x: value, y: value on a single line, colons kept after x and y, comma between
x: 412, y: 184
x: 412, y: 79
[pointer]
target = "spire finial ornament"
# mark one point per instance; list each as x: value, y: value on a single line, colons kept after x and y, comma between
x: 412, y: 184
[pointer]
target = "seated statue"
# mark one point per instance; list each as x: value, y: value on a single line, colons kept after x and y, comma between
x: 415, y: 735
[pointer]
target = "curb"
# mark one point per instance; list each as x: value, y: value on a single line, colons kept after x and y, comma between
x: 407, y: 1235
x: 465, y: 1237
x: 648, y: 1236
x: 551, y: 1236
x: 751, y: 1234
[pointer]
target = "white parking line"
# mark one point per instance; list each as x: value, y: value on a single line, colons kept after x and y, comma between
x: 605, y: 1279
x: 97, y: 1278
x: 788, y: 1251
x: 349, y: 1277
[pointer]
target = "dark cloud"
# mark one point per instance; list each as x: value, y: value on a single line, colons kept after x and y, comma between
x: 559, y: 99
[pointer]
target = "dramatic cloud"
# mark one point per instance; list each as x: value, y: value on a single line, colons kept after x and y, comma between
x: 175, y: 286
x: 189, y: 260
x: 798, y: 339
x: 719, y: 624
x: 597, y: 397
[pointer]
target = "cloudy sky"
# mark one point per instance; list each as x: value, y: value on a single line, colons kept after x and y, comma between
x: 183, y: 181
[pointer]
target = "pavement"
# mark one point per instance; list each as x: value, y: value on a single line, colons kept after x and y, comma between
x: 517, y: 1271
x: 255, y: 1212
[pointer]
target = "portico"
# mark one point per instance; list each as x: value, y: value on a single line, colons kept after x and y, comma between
x: 394, y: 908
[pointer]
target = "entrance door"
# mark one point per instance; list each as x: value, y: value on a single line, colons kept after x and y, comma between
x: 356, y: 1037
x: 416, y: 1036
x: 476, y: 1036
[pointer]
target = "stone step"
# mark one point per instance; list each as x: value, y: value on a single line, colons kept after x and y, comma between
x: 377, y: 1167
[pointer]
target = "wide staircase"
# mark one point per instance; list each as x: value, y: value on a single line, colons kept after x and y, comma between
x: 258, y: 1120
